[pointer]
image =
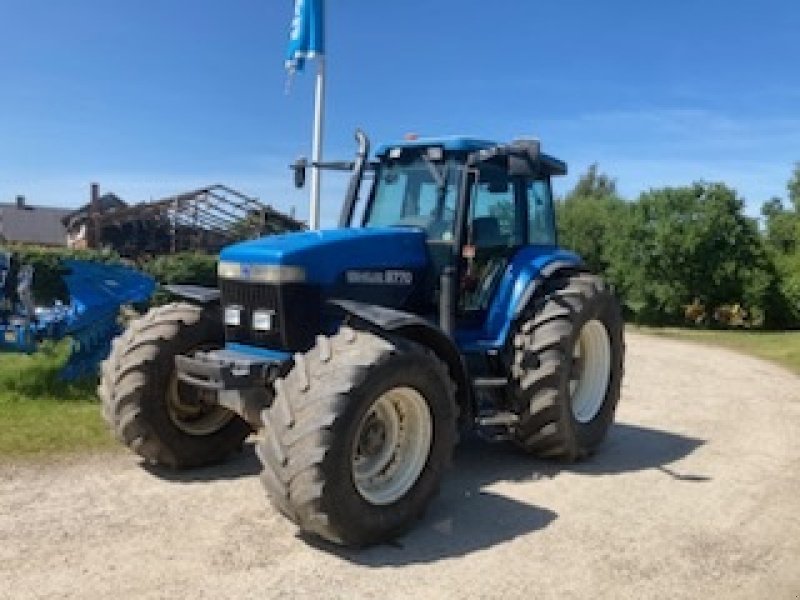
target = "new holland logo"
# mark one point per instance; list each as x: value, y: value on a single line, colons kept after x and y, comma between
x: 387, y: 277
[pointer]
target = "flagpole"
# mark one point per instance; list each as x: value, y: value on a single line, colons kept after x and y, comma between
x: 316, y: 149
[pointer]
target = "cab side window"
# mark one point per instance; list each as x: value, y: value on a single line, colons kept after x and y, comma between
x: 494, y: 211
x: 540, y: 214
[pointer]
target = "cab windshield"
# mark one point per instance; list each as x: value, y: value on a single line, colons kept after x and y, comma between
x: 415, y: 193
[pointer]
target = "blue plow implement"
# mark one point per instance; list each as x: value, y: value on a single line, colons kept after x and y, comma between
x: 96, y: 292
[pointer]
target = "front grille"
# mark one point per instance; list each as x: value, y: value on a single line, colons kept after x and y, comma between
x: 250, y: 297
x: 296, y: 309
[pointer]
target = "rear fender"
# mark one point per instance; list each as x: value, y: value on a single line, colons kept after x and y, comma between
x: 549, y: 271
x: 524, y: 276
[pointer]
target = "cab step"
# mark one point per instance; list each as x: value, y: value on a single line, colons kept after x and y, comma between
x: 490, y: 382
x: 498, y: 419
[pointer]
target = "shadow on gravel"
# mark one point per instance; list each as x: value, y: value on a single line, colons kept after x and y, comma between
x: 465, y: 518
x: 633, y: 448
x: 242, y: 464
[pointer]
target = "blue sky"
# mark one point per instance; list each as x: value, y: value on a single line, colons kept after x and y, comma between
x: 152, y: 97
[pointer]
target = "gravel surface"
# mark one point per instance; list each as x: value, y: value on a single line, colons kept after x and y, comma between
x: 695, y: 494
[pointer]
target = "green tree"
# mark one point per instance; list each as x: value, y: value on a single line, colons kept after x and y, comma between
x: 595, y: 183
x: 794, y: 188
x: 782, y: 226
x: 782, y: 233
x: 588, y: 216
x: 687, y: 244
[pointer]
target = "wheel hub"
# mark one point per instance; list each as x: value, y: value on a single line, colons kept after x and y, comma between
x: 195, y: 411
x: 392, y: 445
x: 590, y: 371
x: 373, y: 437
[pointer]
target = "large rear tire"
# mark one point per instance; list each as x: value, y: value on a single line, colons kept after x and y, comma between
x: 148, y: 409
x: 357, y: 437
x: 567, y: 368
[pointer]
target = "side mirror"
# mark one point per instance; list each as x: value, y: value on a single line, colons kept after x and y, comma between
x: 299, y: 168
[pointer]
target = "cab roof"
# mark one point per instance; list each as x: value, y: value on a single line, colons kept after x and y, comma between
x: 452, y: 143
x: 466, y: 144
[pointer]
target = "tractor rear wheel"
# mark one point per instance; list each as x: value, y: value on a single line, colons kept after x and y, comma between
x: 149, y: 409
x: 567, y: 368
x: 357, y: 437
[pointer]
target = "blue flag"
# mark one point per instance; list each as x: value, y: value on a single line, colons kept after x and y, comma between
x: 306, y: 38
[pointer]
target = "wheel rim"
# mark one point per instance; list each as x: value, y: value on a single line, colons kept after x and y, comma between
x: 195, y: 411
x: 392, y: 445
x: 591, y: 371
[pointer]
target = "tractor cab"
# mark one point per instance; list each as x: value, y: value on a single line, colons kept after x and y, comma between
x: 480, y: 205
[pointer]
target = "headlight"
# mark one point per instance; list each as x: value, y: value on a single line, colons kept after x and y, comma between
x: 261, y: 273
x: 233, y: 316
x: 228, y: 270
x: 262, y: 319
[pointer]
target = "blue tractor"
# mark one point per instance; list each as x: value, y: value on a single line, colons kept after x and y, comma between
x: 442, y: 302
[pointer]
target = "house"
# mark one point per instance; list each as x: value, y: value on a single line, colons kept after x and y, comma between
x: 23, y: 223
x: 76, y: 221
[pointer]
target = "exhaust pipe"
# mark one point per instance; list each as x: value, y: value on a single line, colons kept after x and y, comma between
x: 359, y: 166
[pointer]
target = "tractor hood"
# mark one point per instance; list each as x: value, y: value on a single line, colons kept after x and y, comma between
x: 325, y: 255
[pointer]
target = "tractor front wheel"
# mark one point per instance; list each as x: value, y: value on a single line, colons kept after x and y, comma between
x: 357, y: 437
x: 149, y: 410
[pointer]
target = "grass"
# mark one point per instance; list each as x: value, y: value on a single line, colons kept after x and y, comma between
x: 782, y: 347
x: 40, y: 415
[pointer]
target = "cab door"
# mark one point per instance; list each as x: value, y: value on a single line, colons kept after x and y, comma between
x: 495, y: 230
x: 504, y: 214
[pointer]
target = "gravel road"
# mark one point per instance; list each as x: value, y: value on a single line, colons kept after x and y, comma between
x: 696, y: 494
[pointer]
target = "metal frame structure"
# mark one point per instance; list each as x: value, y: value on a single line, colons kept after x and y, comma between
x: 210, y: 217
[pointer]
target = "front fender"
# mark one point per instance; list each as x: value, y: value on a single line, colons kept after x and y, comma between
x: 195, y: 294
x: 416, y: 329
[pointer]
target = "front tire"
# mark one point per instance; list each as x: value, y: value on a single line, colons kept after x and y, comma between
x: 357, y: 437
x: 567, y: 368
x: 148, y: 409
